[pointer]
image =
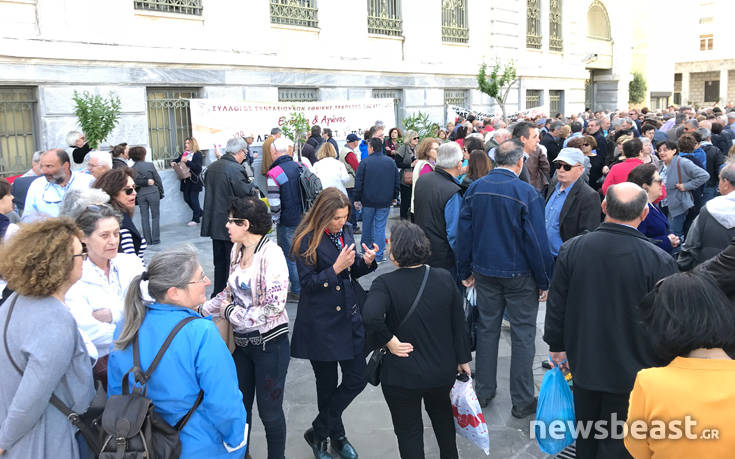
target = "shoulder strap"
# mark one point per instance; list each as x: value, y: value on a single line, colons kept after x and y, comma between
x: 418, y: 297
x: 164, y: 347
x: 678, y: 167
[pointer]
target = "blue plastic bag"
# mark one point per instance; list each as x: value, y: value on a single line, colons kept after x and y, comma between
x: 555, y: 426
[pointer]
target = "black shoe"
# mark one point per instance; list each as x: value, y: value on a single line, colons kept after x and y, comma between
x: 546, y: 365
x: 318, y: 447
x: 525, y: 411
x: 484, y: 402
x: 343, y: 447
x: 293, y: 297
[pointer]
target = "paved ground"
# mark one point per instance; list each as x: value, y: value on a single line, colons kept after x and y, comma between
x: 367, y: 420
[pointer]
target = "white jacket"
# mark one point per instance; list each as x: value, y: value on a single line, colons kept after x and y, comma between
x: 332, y: 173
x: 97, y: 291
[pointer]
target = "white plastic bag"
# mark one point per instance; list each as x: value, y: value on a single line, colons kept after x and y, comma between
x: 468, y: 418
x: 472, y: 296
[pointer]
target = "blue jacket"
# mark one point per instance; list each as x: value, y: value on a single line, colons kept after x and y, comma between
x: 197, y: 359
x: 502, y: 230
x: 328, y: 324
x: 656, y: 228
x: 377, y: 182
x: 290, y: 190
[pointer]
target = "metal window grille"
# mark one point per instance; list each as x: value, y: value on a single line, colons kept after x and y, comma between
x: 298, y: 94
x: 17, y: 120
x: 384, y: 17
x: 556, y: 102
x: 169, y: 121
x: 396, y: 95
x: 294, y: 12
x: 193, y: 7
x: 533, y: 24
x: 677, y: 98
x: 534, y: 98
x: 456, y: 97
x: 454, y: 21
x: 555, y: 38
x: 677, y: 82
x: 711, y: 91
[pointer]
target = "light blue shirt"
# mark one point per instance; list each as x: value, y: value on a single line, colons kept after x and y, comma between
x: 576, y: 134
x: 553, y: 210
x: 44, y: 198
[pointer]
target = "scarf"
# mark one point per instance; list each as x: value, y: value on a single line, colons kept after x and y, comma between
x: 336, y: 238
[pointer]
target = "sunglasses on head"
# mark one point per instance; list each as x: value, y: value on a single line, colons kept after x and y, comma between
x: 566, y: 167
x: 129, y: 190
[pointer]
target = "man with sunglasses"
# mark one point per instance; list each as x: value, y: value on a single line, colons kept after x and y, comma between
x: 45, y: 196
x: 572, y: 206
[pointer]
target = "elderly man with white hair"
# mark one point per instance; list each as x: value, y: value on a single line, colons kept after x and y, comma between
x: 499, y: 136
x: 99, y: 163
x: 225, y: 180
x: 78, y: 145
x: 437, y: 202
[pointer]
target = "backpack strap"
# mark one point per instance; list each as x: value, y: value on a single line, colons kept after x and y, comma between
x: 182, y: 422
x: 156, y: 360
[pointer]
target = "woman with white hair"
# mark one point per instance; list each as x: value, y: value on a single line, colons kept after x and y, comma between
x: 79, y: 146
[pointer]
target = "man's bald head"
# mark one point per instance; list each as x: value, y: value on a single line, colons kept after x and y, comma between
x: 625, y: 203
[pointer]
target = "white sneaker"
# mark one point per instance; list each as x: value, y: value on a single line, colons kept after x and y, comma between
x: 192, y: 223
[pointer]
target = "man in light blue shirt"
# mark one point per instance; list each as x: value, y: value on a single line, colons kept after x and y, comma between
x: 45, y: 196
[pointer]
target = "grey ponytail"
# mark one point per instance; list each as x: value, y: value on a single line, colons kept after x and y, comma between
x: 170, y: 268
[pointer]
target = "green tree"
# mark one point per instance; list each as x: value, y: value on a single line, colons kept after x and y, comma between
x: 637, y: 88
x: 97, y: 116
x: 421, y: 123
x: 296, y: 128
x: 497, y: 85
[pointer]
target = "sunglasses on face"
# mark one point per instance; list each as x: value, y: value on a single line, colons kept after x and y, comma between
x: 566, y: 167
x: 129, y: 190
x: 415, y: 138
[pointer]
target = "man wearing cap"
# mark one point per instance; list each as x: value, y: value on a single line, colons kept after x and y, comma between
x: 351, y: 160
x: 572, y: 206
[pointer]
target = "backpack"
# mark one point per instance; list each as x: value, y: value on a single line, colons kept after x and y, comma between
x: 309, y: 185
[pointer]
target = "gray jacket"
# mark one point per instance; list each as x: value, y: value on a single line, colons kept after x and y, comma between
x: 54, y: 360
x: 710, y: 233
x: 692, y: 177
x: 146, y: 170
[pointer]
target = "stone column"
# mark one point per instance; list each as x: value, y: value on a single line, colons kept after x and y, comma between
x: 684, y: 88
x: 723, y: 86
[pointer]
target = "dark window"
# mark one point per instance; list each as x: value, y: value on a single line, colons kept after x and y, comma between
x: 711, y: 91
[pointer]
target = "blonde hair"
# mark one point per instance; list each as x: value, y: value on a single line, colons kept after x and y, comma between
x: 423, y: 149
x: 194, y: 144
x: 326, y: 151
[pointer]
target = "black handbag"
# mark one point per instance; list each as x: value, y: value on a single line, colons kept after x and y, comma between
x: 375, y: 362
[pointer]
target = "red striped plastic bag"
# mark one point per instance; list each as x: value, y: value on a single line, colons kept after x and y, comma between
x: 468, y: 418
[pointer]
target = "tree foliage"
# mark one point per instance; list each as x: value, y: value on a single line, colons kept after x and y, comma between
x: 421, y: 123
x: 637, y: 88
x: 498, y: 83
x: 97, y: 116
x: 296, y: 128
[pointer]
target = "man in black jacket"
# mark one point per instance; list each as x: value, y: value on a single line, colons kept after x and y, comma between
x: 551, y: 140
x: 225, y: 180
x: 312, y: 144
x: 599, y: 329
x: 572, y: 207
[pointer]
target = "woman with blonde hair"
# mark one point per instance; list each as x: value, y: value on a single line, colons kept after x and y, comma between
x: 191, y: 186
x: 331, y: 171
x: 425, y: 161
x: 328, y: 329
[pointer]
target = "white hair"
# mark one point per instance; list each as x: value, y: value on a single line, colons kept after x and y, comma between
x: 72, y: 137
x: 501, y: 131
x: 235, y: 145
x: 104, y: 158
x: 76, y: 201
x: 448, y: 155
x: 282, y: 144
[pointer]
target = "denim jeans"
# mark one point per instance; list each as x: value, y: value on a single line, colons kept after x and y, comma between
x: 373, y: 228
x: 676, y: 225
x: 355, y: 214
x: 261, y: 370
x: 285, y: 238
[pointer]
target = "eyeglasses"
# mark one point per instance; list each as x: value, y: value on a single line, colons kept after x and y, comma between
x: 129, y: 190
x: 237, y: 221
x: 201, y: 280
x: 83, y: 255
x: 585, y: 145
x: 566, y: 167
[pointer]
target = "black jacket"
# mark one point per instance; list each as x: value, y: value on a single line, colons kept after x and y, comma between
x: 598, y: 324
x: 706, y: 238
x: 581, y: 210
x: 431, y: 194
x: 19, y: 190
x: 119, y: 163
x: 436, y: 327
x: 722, y: 268
x: 715, y: 160
x: 377, y: 182
x: 79, y: 153
x: 193, y: 183
x: 553, y: 146
x: 226, y: 180
x: 722, y: 141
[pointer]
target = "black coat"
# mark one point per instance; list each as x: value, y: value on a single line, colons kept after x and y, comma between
x: 581, y: 210
x: 19, y: 190
x: 193, y: 183
x: 592, y: 314
x: 722, y: 268
x: 328, y: 325
x: 553, y: 146
x: 226, y: 180
x: 723, y: 142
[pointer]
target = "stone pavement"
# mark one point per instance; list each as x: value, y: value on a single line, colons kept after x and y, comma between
x: 367, y: 420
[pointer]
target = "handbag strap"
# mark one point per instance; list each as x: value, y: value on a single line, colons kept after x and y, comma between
x: 418, y: 297
x: 678, y: 168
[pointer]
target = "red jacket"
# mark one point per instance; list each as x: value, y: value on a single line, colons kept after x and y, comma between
x: 619, y: 173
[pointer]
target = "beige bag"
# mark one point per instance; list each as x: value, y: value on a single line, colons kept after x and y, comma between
x: 225, y: 331
x: 182, y: 170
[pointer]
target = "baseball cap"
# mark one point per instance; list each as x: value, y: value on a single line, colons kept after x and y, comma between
x: 571, y: 156
x: 352, y: 138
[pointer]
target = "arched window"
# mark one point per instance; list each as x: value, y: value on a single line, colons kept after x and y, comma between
x: 598, y: 24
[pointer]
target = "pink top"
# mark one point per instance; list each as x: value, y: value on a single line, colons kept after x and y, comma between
x: 427, y: 168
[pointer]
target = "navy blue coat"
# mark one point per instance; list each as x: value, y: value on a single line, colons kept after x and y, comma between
x: 656, y: 228
x: 328, y: 324
x: 194, y: 183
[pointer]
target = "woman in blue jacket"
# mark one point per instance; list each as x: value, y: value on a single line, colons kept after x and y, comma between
x: 328, y: 329
x: 197, y: 359
x: 656, y: 225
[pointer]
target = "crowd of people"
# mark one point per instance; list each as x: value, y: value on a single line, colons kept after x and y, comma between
x: 622, y: 222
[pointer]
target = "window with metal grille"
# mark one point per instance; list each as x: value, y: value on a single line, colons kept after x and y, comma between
x: 555, y: 38
x: 454, y: 21
x: 556, y: 102
x: 294, y: 12
x: 677, y: 98
x: 169, y: 121
x: 396, y: 95
x: 677, y: 82
x: 384, y: 17
x: 456, y: 97
x: 298, y: 94
x: 711, y: 91
x: 193, y: 7
x: 17, y: 127
x: 706, y: 42
x: 534, y: 98
x: 533, y: 24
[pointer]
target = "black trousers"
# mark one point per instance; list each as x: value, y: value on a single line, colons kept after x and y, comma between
x: 333, y: 399
x: 405, y: 410
x: 191, y: 198
x: 591, y: 406
x: 221, y: 253
x: 406, y: 191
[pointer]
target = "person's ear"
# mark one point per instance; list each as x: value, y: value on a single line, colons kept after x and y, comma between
x: 644, y: 214
x: 604, y: 206
x: 174, y: 294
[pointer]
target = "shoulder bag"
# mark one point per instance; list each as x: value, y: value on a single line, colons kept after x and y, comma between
x: 375, y: 362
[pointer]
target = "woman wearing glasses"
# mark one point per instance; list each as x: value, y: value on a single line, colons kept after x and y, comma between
x: 119, y: 184
x: 254, y: 302
x: 406, y: 160
x: 656, y: 225
x: 41, y: 352
x: 96, y: 300
x: 196, y: 364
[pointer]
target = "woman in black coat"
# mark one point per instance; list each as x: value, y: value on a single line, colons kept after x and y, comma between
x: 328, y: 329
x: 427, y: 350
x: 192, y: 186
